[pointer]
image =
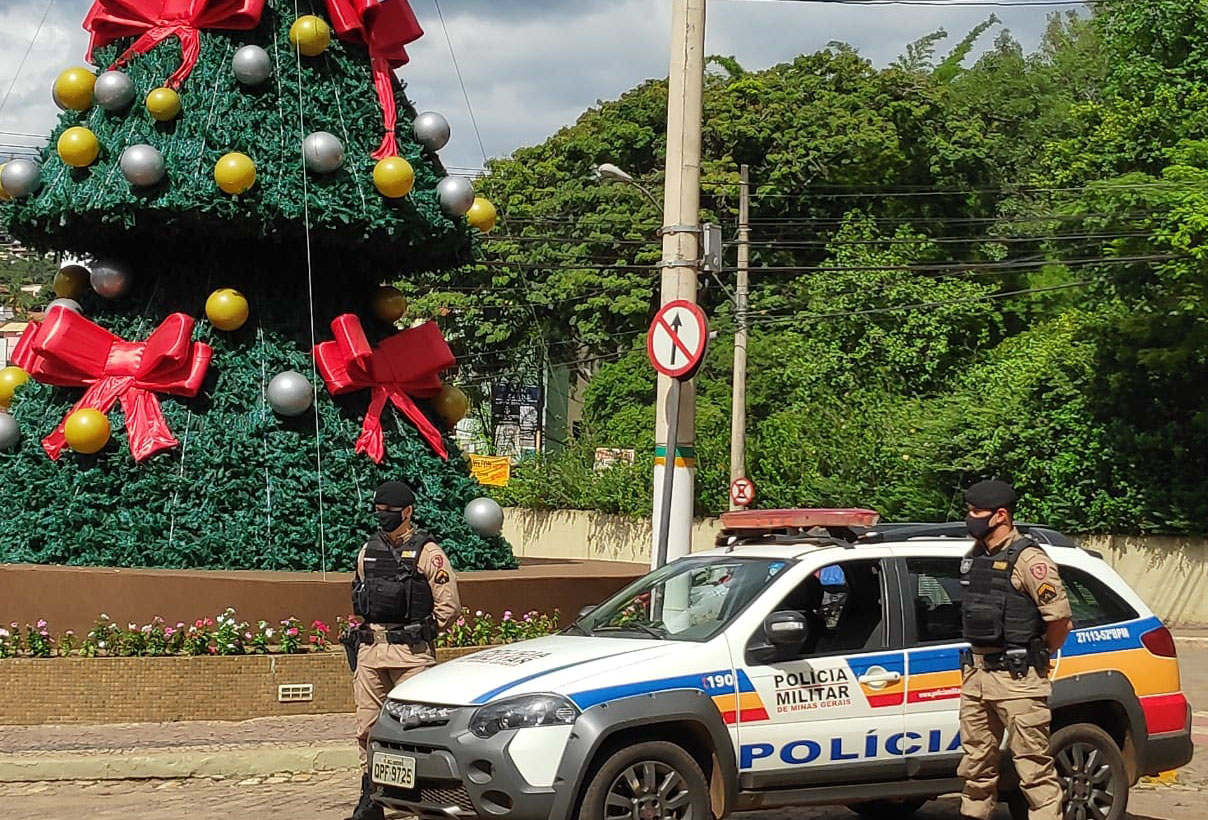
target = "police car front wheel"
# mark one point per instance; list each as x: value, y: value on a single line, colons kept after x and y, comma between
x: 655, y: 780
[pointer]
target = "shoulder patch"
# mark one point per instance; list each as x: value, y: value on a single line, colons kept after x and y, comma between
x: 1047, y: 593
x: 1040, y: 570
x: 441, y: 578
x: 438, y: 561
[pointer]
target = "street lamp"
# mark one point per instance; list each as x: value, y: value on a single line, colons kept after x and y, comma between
x: 611, y: 173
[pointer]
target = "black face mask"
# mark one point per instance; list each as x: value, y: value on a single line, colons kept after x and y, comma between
x: 979, y: 528
x: 389, y: 520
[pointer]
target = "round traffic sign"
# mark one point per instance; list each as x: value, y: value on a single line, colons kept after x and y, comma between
x: 677, y: 339
x: 742, y: 492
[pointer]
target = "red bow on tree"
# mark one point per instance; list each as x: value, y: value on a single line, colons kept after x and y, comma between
x: 402, y: 368
x: 384, y: 28
x: 67, y: 350
x: 153, y: 21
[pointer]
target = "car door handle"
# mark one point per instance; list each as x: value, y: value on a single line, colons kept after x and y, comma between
x: 881, y: 677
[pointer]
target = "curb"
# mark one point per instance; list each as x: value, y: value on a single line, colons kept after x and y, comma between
x: 169, y: 764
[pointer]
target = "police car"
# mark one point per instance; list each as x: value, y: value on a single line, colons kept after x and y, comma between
x: 812, y: 658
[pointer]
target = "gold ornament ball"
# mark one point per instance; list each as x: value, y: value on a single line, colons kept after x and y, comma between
x: 226, y: 309
x: 4, y: 197
x: 73, y: 89
x: 482, y: 214
x: 451, y: 404
x: 393, y: 177
x: 163, y: 104
x: 389, y: 304
x: 87, y: 431
x: 10, y: 379
x: 71, y: 282
x: 310, y: 35
x: 235, y: 173
x: 78, y: 147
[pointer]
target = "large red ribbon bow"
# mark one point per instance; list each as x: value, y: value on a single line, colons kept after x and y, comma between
x: 384, y: 27
x: 404, y: 367
x: 153, y: 21
x: 67, y: 350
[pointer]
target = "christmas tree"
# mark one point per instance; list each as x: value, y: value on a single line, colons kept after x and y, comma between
x: 243, y: 178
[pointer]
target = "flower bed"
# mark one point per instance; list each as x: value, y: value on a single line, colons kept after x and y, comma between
x: 225, y: 635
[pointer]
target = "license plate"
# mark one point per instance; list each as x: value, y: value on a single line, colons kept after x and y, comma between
x: 394, y: 770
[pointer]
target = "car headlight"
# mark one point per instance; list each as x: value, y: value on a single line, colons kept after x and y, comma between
x: 523, y: 712
x: 416, y: 714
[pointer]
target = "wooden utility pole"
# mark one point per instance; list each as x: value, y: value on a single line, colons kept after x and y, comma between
x: 738, y: 412
x: 681, y: 263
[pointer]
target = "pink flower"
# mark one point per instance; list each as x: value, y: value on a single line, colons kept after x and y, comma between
x: 180, y: 625
x: 247, y: 636
x: 41, y: 624
x: 198, y: 623
x: 507, y: 614
x: 209, y: 621
x: 168, y: 633
x: 70, y: 634
x: 461, y: 621
x: 292, y: 632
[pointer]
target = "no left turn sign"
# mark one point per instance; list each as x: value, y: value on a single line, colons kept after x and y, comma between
x: 742, y: 492
x: 677, y: 339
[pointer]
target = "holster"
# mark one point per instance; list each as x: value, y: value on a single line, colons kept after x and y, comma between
x: 352, y: 644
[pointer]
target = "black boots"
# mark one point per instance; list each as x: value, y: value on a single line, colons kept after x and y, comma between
x: 366, y: 809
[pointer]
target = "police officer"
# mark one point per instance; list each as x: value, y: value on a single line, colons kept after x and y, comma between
x: 406, y: 592
x: 1015, y: 616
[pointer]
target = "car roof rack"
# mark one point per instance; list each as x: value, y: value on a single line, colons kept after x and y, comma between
x: 956, y: 529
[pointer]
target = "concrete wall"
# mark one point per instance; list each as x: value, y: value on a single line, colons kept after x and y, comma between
x: 1170, y: 574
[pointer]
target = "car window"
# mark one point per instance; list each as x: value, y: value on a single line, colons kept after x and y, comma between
x: 935, y: 584
x: 844, y: 605
x: 1091, y: 602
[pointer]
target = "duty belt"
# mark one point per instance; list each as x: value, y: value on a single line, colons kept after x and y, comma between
x: 1017, y: 661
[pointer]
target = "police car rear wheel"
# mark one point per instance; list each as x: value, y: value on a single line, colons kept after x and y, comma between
x: 888, y: 809
x: 655, y: 780
x: 1093, y: 776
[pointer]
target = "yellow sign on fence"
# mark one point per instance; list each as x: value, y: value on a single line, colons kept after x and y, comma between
x: 493, y: 471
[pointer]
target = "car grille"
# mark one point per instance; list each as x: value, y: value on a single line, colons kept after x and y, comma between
x: 452, y: 796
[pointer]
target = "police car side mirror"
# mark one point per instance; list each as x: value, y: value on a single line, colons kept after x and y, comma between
x: 786, y: 628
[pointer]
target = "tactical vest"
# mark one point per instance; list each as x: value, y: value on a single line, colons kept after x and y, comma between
x: 994, y: 613
x: 392, y: 590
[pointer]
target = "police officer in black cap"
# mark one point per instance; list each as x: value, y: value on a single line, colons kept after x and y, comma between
x: 1016, y: 616
x: 406, y: 593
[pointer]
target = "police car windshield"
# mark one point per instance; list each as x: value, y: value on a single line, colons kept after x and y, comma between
x: 691, y: 599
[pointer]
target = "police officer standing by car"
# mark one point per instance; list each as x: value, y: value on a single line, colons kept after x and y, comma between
x: 1015, y: 616
x: 406, y: 592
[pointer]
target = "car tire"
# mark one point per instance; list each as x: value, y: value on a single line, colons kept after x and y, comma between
x: 655, y: 778
x: 889, y: 809
x: 1092, y: 771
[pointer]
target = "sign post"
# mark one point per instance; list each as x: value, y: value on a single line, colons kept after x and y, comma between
x: 676, y: 345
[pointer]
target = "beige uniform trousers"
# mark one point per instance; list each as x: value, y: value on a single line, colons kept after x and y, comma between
x: 993, y: 703
x: 380, y: 667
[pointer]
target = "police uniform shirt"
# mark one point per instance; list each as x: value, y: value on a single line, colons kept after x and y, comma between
x: 434, y: 564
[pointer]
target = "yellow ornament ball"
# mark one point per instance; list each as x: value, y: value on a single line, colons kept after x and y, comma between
x: 235, y: 173
x: 71, y: 282
x: 310, y: 34
x: 451, y: 404
x: 10, y: 379
x: 73, y: 89
x: 4, y: 197
x: 482, y: 214
x: 393, y: 177
x: 87, y: 431
x: 226, y: 309
x: 389, y: 304
x: 78, y: 147
x: 163, y: 104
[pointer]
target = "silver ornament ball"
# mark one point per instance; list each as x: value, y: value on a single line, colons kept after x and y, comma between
x: 68, y: 304
x: 20, y: 177
x: 251, y: 65
x: 142, y: 165
x: 290, y: 394
x: 110, y: 279
x: 456, y: 195
x: 485, y: 517
x: 10, y: 433
x: 323, y: 152
x: 114, y: 91
x: 431, y: 130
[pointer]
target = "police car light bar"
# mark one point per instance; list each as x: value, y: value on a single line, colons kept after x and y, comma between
x: 768, y: 520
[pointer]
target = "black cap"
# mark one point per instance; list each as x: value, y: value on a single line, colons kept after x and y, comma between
x: 991, y: 495
x: 394, y: 494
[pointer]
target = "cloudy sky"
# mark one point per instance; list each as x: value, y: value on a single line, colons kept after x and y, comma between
x: 530, y: 66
